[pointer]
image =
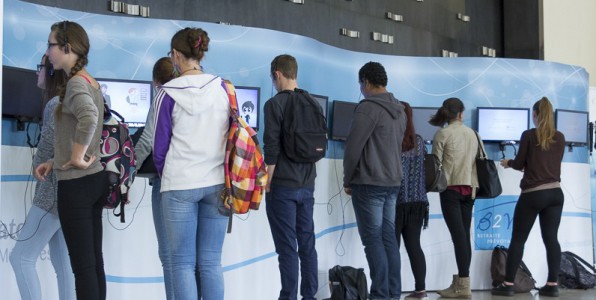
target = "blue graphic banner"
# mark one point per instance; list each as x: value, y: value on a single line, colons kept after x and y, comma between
x: 493, y: 220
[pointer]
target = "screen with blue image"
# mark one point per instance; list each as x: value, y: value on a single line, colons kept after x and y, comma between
x: 573, y: 125
x: 497, y: 124
x: 248, y: 104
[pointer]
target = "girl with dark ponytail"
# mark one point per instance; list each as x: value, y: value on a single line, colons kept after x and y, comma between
x: 82, y: 182
x: 539, y: 157
x: 456, y: 147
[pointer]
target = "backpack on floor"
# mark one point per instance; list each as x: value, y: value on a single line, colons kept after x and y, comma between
x: 575, y: 272
x: 304, y: 128
x: 117, y: 156
x: 347, y: 283
x: 244, y: 166
x: 523, y: 282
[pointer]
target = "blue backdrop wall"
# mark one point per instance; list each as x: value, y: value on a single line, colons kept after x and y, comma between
x: 126, y: 48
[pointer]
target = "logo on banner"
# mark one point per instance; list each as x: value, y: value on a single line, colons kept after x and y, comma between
x: 493, y: 222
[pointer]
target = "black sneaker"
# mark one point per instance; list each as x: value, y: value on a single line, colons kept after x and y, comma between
x: 549, y: 291
x: 503, y: 290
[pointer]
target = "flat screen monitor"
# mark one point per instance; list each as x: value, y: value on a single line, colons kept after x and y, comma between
x: 573, y: 125
x: 248, y: 98
x: 421, y: 116
x: 497, y: 124
x: 322, y: 101
x: 129, y: 98
x: 21, y: 98
x: 343, y: 113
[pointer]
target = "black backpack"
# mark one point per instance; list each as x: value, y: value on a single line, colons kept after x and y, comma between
x: 148, y: 166
x: 347, y: 283
x: 575, y: 272
x: 523, y: 282
x: 304, y: 128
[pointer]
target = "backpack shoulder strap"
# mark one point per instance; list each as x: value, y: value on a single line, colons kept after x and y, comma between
x: 581, y: 260
x: 231, y: 91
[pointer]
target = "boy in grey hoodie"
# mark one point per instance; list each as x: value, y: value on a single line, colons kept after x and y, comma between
x: 372, y: 175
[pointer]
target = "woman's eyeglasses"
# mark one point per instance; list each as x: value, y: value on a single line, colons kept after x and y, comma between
x: 50, y: 45
x: 40, y: 67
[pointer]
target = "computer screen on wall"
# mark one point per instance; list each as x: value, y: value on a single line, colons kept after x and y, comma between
x: 420, y: 117
x: 248, y: 98
x: 343, y: 113
x: 322, y: 100
x: 573, y: 125
x: 21, y: 98
x: 502, y: 124
x: 129, y: 98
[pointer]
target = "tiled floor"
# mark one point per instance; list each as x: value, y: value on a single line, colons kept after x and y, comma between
x: 564, y: 295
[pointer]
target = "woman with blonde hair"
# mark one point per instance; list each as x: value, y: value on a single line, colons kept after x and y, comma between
x: 539, y: 157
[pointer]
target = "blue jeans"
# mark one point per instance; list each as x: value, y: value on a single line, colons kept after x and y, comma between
x: 160, y: 231
x: 374, y: 207
x: 195, y: 231
x: 41, y: 228
x: 290, y: 215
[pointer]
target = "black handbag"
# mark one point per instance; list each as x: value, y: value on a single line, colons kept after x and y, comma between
x: 433, y: 172
x: 489, y: 185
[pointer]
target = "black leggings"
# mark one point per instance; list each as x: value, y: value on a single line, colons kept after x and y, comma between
x: 411, y: 234
x: 457, y: 212
x: 80, y: 204
x: 548, y: 204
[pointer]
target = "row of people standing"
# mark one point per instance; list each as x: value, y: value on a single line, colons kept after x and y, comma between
x: 190, y: 167
x: 384, y: 173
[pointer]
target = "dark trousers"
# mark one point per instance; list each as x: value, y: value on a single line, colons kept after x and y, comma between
x: 411, y: 232
x: 457, y: 212
x: 290, y: 215
x: 548, y: 204
x: 80, y: 204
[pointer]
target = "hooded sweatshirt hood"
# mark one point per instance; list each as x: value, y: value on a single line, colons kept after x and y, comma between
x: 388, y: 102
x: 186, y: 89
x: 191, y: 126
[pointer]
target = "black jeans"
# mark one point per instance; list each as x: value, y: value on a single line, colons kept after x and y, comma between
x: 411, y: 231
x: 80, y: 204
x: 548, y: 204
x: 457, y: 212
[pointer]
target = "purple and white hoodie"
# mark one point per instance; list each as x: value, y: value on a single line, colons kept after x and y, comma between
x: 191, y: 126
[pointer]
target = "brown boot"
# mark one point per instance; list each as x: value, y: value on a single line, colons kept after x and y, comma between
x: 460, y: 290
x: 451, y: 288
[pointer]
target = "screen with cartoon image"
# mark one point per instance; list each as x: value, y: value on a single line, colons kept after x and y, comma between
x: 129, y: 98
x: 248, y: 104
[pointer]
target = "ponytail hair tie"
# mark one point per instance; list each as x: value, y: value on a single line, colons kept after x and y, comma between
x: 198, y: 43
